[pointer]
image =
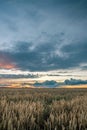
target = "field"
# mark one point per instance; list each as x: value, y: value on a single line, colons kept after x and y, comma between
x: 43, y: 109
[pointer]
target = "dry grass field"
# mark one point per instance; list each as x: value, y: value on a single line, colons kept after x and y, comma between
x: 43, y: 109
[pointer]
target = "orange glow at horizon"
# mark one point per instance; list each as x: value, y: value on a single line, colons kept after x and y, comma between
x: 6, y: 66
x: 5, y: 62
x: 75, y: 86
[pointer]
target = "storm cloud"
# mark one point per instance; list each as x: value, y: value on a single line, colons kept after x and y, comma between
x: 43, y: 35
x: 48, y: 56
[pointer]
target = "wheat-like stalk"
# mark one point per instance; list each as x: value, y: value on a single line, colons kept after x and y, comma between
x: 43, y: 109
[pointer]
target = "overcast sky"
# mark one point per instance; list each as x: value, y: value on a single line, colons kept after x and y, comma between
x: 43, y: 35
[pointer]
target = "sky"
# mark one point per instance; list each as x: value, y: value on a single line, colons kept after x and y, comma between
x: 44, y: 37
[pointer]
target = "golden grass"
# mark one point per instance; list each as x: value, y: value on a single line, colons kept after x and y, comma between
x: 43, y: 109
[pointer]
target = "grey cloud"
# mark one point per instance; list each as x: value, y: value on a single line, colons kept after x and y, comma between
x: 13, y: 76
x: 76, y: 52
x: 21, y: 20
x: 75, y: 82
x: 44, y: 35
x: 44, y: 58
x: 53, y: 83
x: 49, y: 84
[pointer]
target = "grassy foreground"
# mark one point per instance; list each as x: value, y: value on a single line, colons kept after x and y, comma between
x: 43, y: 109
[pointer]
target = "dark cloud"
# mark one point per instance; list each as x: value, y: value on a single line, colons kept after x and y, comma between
x: 13, y: 76
x: 75, y: 82
x: 44, y: 57
x: 49, y: 84
x: 77, y: 53
x: 53, y: 83
x: 44, y: 35
x: 48, y: 56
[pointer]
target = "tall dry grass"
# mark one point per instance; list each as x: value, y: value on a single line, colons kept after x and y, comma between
x: 43, y: 109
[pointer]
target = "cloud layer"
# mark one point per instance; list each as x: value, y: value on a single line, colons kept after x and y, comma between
x: 52, y: 84
x: 43, y: 35
x: 46, y: 56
